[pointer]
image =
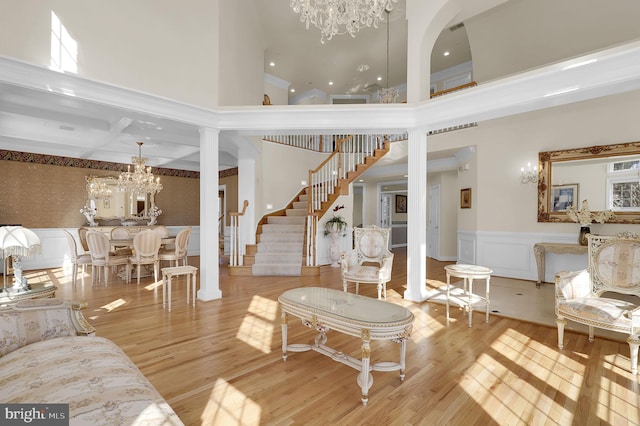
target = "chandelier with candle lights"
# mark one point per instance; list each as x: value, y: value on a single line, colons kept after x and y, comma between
x: 340, y: 16
x: 140, y: 180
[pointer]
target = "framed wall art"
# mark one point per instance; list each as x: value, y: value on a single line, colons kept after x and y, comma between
x: 401, y: 203
x: 465, y: 198
x: 562, y: 196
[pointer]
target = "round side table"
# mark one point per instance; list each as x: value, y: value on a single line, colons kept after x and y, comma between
x: 469, y: 273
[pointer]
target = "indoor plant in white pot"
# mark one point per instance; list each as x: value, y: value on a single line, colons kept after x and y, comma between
x: 335, y: 227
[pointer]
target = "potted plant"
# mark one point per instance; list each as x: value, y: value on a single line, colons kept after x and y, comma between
x: 335, y: 227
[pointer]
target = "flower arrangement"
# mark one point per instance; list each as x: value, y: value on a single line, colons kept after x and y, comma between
x: 155, y: 211
x: 89, y: 213
x: 86, y: 210
x: 336, y: 223
x: 585, y: 217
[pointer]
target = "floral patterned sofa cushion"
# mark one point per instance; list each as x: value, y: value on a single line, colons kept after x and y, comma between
x: 23, y: 327
x: 99, y: 382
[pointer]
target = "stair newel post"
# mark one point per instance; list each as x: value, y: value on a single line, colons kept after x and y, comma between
x: 312, y: 224
x: 235, y: 223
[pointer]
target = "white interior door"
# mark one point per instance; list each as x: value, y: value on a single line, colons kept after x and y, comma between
x: 433, y: 228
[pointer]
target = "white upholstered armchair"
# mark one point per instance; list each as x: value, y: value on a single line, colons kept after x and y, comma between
x: 370, y: 261
x: 614, y: 266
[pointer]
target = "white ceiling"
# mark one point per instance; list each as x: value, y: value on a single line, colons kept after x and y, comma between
x: 41, y: 121
x: 302, y: 60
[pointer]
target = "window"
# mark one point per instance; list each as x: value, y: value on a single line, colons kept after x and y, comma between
x: 623, y: 185
x: 64, y: 49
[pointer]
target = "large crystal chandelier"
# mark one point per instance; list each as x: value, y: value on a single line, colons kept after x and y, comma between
x: 388, y: 94
x: 141, y: 180
x: 340, y: 16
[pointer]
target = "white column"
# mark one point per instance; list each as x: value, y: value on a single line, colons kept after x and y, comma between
x: 417, y: 217
x: 209, y: 266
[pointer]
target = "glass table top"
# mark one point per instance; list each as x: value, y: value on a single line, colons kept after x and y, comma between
x: 346, y: 305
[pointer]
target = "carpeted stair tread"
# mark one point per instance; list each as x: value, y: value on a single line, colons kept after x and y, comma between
x: 282, y: 237
x: 300, y: 205
x: 278, y: 259
x: 297, y: 213
x: 285, y: 229
x: 277, y: 247
x: 286, y: 220
x: 276, y: 270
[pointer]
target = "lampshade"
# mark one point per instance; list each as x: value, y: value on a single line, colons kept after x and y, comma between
x: 18, y: 241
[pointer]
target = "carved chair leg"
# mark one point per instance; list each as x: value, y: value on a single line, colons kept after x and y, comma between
x: 344, y: 285
x: 561, y: 323
x: 591, y: 338
x: 634, y: 342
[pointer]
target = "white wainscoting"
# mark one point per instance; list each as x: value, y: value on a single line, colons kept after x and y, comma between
x: 511, y: 255
x: 55, y: 250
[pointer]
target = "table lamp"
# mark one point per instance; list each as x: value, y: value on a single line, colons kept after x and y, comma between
x: 18, y: 242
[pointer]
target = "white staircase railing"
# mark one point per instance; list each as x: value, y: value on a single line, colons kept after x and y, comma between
x: 351, y: 151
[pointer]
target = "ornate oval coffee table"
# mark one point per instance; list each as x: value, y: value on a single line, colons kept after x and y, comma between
x: 324, y: 309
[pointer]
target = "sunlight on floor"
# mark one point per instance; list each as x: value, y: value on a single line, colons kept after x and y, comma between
x: 256, y: 329
x: 229, y: 406
x: 520, y: 396
x: 153, y: 286
x: 114, y: 305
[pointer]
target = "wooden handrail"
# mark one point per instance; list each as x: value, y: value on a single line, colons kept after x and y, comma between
x: 454, y: 89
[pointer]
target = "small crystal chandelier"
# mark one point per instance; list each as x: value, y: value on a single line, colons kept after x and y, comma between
x: 97, y: 188
x: 141, y: 180
x: 340, y: 16
x: 388, y: 94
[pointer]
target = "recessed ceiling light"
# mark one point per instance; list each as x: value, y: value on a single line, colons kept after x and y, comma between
x: 446, y: 53
x: 272, y: 64
x: 331, y: 83
x: 379, y: 78
x: 292, y: 90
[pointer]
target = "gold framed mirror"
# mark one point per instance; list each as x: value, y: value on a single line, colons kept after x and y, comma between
x: 608, y: 176
x: 110, y: 203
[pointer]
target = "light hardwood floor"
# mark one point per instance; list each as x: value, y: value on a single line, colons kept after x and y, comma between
x: 220, y: 363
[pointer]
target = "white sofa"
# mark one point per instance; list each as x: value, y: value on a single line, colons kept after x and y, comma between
x: 49, y: 354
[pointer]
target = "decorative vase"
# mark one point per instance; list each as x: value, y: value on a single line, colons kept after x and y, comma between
x: 582, y: 238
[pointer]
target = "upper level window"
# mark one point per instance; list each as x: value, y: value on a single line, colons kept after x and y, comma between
x: 64, y: 49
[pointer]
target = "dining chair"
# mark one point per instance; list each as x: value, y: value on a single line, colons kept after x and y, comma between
x: 121, y: 233
x: 82, y: 235
x: 146, y: 245
x: 102, y: 258
x: 179, y: 252
x: 76, y: 259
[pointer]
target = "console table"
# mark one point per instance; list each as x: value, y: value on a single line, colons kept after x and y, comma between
x: 539, y: 250
x: 324, y: 309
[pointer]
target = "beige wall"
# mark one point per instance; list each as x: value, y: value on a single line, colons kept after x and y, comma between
x: 284, y: 168
x: 524, y: 34
x: 160, y: 47
x: 503, y: 146
x: 241, y: 49
x: 46, y: 196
